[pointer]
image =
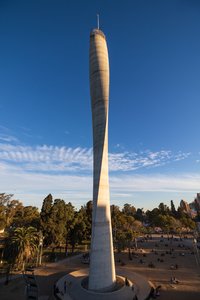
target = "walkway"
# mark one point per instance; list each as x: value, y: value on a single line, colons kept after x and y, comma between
x: 76, y: 292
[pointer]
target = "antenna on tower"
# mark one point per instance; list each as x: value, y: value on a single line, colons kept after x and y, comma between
x: 98, y: 21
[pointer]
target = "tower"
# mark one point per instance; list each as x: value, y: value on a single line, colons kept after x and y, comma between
x: 102, y: 268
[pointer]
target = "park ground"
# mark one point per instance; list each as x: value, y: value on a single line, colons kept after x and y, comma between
x: 169, y: 258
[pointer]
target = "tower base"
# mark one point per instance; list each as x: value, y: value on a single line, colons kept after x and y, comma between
x: 77, y: 287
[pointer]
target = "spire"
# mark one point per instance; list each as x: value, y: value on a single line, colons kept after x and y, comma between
x: 97, y: 21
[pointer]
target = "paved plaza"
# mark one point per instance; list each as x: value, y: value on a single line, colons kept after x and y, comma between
x: 164, y: 268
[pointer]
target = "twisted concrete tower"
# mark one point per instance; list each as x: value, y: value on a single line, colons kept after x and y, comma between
x: 102, y: 268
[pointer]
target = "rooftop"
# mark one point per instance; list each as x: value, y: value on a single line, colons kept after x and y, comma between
x: 97, y: 31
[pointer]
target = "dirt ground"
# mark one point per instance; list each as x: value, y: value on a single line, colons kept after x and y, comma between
x: 152, y: 251
x: 157, y: 251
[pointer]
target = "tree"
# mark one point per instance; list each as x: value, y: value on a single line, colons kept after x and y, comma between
x: 173, y: 209
x: 121, y: 240
x: 13, y: 207
x: 86, y: 210
x: 163, y: 208
x: 140, y: 215
x: 115, y: 215
x: 77, y: 232
x: 13, y: 214
x: 70, y: 213
x: 129, y: 238
x: 4, y: 201
x: 2, y: 217
x: 129, y: 210
x: 152, y: 216
x: 26, y: 216
x: 46, y: 219
x: 187, y: 222
x: 125, y: 227
x: 180, y: 212
x: 22, y: 243
x: 5, y: 198
x: 58, y: 223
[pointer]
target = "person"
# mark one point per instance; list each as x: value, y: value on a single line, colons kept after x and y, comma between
x: 55, y: 289
x: 175, y: 280
x: 65, y: 287
x: 157, y: 293
x: 151, y: 294
x: 126, y: 281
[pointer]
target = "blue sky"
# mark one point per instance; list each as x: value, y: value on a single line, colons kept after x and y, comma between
x: 45, y: 124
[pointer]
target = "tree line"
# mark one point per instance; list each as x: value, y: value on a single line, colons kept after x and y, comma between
x: 60, y: 225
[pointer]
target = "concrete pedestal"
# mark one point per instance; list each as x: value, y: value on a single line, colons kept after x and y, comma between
x: 75, y: 290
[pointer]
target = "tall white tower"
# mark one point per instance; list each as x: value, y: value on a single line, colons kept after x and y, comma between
x: 102, y: 275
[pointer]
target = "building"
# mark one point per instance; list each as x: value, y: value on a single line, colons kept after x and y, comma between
x: 197, y: 202
x: 102, y: 275
x: 185, y: 207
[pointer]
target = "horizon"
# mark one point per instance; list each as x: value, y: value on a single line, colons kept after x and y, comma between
x: 46, y: 122
x: 84, y: 204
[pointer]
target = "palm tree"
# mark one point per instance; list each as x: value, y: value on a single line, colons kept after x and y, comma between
x: 25, y: 241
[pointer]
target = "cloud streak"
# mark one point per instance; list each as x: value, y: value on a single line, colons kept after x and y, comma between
x: 61, y: 159
x: 8, y: 138
x: 31, y: 172
x: 31, y: 188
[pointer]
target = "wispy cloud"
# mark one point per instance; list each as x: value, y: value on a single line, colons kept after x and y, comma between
x: 8, y: 138
x: 31, y: 188
x: 127, y: 161
x: 4, y: 129
x: 156, y: 183
x: 47, y: 158
x: 31, y: 172
x: 61, y: 159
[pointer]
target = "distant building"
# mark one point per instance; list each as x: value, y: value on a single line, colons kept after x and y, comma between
x: 198, y: 226
x: 193, y: 209
x: 197, y: 202
x: 185, y: 207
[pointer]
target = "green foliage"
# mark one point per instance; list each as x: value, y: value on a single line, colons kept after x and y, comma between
x: 27, y: 216
x: 125, y: 227
x: 62, y: 225
x: 121, y: 240
x: 78, y: 230
x: 173, y: 209
x: 86, y: 211
x: 46, y: 220
x: 5, y: 198
x: 21, y: 244
x: 140, y: 215
x: 163, y: 209
x: 2, y: 217
x: 187, y: 222
x: 58, y: 218
x: 13, y: 214
x: 129, y: 210
x: 4, y: 202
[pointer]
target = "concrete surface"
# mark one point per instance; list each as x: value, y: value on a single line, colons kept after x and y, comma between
x: 102, y: 267
x: 75, y: 291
